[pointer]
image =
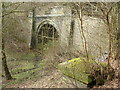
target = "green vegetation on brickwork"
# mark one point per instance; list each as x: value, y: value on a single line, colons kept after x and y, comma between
x: 79, y: 69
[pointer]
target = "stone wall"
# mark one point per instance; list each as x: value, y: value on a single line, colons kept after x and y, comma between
x: 61, y: 20
x: 96, y: 35
x: 94, y: 29
x: 60, y: 17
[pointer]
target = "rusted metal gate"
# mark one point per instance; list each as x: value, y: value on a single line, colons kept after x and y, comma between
x: 47, y: 38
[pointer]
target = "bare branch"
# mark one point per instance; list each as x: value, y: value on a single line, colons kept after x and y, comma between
x: 12, y: 11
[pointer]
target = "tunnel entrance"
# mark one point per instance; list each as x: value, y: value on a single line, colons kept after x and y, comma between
x: 47, y: 36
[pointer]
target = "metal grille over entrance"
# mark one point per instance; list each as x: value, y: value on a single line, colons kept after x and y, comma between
x: 47, y: 36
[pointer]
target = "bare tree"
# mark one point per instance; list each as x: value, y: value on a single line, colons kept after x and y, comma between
x: 6, y: 11
x: 118, y: 45
x: 4, y: 62
x: 79, y: 10
x: 106, y: 12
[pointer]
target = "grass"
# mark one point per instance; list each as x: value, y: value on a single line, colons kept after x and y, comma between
x: 27, y: 75
x: 23, y: 68
x: 22, y: 65
x: 47, y: 45
x: 25, y: 55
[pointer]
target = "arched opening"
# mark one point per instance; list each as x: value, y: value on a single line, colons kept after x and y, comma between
x: 47, y: 36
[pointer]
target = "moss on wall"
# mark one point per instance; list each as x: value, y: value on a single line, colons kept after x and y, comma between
x: 79, y: 69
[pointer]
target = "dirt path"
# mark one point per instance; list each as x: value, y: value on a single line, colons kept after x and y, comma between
x: 55, y: 79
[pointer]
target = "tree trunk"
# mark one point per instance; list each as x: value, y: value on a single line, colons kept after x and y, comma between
x: 80, y: 12
x: 4, y: 63
x: 118, y: 35
x: 118, y: 45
